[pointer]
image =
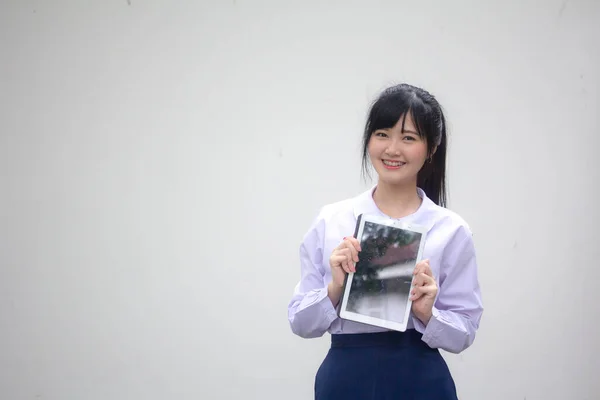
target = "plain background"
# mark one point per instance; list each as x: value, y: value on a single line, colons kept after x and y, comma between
x: 161, y: 160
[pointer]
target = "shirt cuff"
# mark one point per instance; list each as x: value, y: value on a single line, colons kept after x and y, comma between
x: 433, y: 328
x: 329, y: 312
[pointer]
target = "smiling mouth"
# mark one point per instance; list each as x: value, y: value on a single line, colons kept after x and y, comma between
x: 393, y: 164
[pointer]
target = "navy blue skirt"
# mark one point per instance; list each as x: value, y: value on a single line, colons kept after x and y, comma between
x: 383, y: 366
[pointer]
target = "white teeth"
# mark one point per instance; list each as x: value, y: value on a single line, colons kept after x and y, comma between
x: 392, y: 163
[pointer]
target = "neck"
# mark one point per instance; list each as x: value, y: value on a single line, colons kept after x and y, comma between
x: 397, y: 201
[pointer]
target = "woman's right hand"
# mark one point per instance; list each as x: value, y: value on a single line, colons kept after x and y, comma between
x: 343, y: 260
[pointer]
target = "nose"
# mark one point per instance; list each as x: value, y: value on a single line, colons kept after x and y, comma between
x: 394, y: 148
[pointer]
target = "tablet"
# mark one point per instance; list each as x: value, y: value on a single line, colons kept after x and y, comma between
x: 378, y: 293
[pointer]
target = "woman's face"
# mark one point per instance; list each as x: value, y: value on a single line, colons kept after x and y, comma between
x: 398, y: 155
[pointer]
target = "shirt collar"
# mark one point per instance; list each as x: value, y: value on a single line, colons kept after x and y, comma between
x: 364, y: 204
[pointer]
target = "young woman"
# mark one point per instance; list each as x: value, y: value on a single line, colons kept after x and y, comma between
x: 405, y: 141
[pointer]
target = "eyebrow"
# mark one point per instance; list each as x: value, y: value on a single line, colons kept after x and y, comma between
x: 409, y: 131
x: 404, y: 131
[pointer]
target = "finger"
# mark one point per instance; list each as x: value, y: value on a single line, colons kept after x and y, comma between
x: 342, y: 245
x: 425, y: 280
x: 346, y: 266
x: 347, y: 252
x: 418, y: 267
x: 346, y: 248
x: 415, y: 294
x: 350, y: 263
x: 417, y: 280
x: 351, y: 244
x: 339, y: 260
x: 354, y: 242
x: 420, y: 278
x: 427, y: 269
x: 421, y: 266
x: 425, y: 290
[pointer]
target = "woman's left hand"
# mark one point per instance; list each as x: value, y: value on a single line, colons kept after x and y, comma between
x: 424, y: 291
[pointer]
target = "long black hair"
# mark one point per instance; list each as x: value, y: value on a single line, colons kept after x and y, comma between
x: 426, y: 112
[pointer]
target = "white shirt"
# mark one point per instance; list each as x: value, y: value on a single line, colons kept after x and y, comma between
x: 449, y: 247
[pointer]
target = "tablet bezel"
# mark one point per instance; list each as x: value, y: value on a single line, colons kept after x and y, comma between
x: 366, y: 319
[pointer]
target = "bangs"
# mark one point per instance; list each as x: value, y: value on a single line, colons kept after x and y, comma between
x: 389, y: 108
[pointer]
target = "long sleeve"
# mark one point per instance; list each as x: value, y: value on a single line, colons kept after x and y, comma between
x: 458, y: 307
x: 310, y: 312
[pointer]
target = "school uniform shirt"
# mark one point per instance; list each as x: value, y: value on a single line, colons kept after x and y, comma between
x: 449, y: 247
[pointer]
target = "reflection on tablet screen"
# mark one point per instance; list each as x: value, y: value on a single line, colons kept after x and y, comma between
x: 381, y: 284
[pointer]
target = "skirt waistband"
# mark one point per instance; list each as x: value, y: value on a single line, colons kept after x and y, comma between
x: 391, y: 338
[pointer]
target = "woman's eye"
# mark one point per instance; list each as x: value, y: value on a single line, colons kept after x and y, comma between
x: 409, y: 138
x: 381, y: 134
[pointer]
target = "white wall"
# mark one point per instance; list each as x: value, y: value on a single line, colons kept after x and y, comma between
x: 136, y: 261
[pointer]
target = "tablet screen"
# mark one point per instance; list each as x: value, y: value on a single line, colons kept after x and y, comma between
x: 381, y: 285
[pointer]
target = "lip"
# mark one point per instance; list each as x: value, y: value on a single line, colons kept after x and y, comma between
x: 392, y: 166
